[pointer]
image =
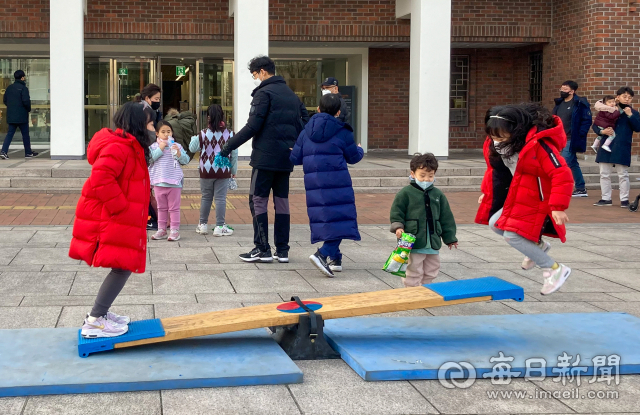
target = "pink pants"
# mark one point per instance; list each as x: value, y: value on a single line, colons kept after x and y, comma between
x: 168, y: 199
x: 422, y: 269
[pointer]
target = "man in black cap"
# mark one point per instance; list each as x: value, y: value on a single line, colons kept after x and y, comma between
x: 18, y: 103
x: 330, y: 86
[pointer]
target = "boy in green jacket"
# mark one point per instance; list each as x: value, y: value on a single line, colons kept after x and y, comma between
x: 423, y: 211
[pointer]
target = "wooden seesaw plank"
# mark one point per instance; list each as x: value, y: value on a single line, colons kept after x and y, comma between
x: 282, y: 314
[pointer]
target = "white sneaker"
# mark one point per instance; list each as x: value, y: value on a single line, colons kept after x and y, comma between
x: 224, y: 230
x: 102, y: 327
x: 115, y: 318
x: 595, y: 148
x: 606, y: 148
x: 528, y: 263
x: 554, y: 278
x: 202, y: 229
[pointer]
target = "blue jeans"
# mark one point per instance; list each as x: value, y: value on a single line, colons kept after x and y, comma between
x: 331, y: 249
x: 26, y: 140
x: 572, y: 161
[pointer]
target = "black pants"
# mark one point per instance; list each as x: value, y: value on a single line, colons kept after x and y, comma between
x: 262, y: 182
x: 26, y: 139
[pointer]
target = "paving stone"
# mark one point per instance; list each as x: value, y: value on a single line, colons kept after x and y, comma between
x: 61, y: 300
x: 173, y: 254
x: 62, y: 267
x: 129, y: 403
x: 36, y: 283
x: 45, y: 256
x: 187, y: 282
x: 12, y: 406
x: 619, y: 306
x: 628, y: 395
x: 89, y: 282
x: 175, y: 310
x: 346, y: 281
x: 630, y: 296
x: 395, y: 281
x: 8, y: 254
x: 579, y: 282
x: 560, y: 296
x: 552, y: 308
x: 475, y: 399
x: 219, y: 267
x: 349, y: 394
x: 617, y: 265
x: 167, y: 267
x: 16, y: 237
x: 28, y: 317
x: 52, y: 236
x: 626, y: 277
x: 73, y: 316
x: 155, y: 299
x: 623, y: 254
x: 229, y: 255
x: 238, y: 298
x: 473, y: 309
x: 265, y: 281
x: 10, y: 301
x: 264, y: 399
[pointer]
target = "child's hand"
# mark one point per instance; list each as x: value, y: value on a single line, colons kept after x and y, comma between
x: 399, y: 233
x: 452, y: 245
x: 359, y: 145
x: 480, y: 199
x: 177, y: 149
x: 162, y: 144
x: 560, y: 218
x: 233, y: 176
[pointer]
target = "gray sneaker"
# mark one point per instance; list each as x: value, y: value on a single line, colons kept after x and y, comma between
x: 102, y: 327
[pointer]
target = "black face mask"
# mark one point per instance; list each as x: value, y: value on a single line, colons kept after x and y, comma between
x: 564, y: 95
x: 623, y: 106
x: 155, y: 106
x: 152, y: 136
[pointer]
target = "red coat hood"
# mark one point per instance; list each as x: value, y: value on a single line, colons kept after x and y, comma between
x: 554, y: 134
x: 105, y: 137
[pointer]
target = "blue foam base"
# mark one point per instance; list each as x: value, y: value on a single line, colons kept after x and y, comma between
x: 416, y: 347
x: 497, y: 288
x: 138, y: 330
x: 45, y: 361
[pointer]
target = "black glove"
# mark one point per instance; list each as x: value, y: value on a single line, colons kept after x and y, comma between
x: 225, y: 151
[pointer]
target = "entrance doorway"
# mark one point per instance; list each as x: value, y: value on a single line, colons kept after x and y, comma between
x: 178, y: 85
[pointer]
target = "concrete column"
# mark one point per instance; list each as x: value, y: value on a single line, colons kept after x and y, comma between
x: 250, y: 39
x: 67, y: 79
x: 429, y: 78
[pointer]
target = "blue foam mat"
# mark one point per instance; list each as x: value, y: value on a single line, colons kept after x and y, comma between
x: 497, y: 288
x: 45, y: 361
x: 416, y: 347
x: 138, y: 330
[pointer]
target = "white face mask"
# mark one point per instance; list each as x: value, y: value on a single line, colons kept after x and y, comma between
x: 325, y: 92
x: 257, y: 82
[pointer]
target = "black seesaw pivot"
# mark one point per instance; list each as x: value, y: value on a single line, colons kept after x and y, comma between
x: 305, y: 340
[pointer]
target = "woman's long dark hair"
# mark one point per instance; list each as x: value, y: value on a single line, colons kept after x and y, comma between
x: 133, y: 119
x: 515, y: 121
x: 216, y: 118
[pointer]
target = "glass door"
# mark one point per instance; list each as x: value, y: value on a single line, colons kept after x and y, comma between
x: 96, y: 96
x: 129, y: 76
x: 214, y: 86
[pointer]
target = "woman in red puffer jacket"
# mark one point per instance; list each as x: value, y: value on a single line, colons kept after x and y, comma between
x: 111, y: 216
x: 527, y: 185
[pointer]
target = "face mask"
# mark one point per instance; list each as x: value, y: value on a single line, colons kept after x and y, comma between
x: 155, y: 106
x: 325, y: 92
x: 257, y: 81
x: 152, y: 136
x: 424, y: 185
x: 501, y: 151
x: 564, y: 95
x: 623, y: 106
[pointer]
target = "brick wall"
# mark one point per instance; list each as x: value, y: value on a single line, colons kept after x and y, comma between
x: 27, y: 18
x: 389, y: 98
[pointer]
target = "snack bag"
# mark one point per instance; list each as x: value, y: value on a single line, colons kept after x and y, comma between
x: 399, y: 258
x: 233, y: 185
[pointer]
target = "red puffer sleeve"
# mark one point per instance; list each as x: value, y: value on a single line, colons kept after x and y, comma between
x: 104, y: 178
x: 555, y: 167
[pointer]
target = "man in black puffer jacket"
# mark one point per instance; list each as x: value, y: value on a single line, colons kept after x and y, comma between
x: 18, y: 103
x: 276, y: 118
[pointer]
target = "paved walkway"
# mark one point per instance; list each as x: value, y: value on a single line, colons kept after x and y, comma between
x: 41, y: 287
x: 17, y: 209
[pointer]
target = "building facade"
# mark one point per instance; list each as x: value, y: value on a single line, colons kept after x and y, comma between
x: 419, y: 74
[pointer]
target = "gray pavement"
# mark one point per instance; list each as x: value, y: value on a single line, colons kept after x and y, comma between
x: 41, y: 287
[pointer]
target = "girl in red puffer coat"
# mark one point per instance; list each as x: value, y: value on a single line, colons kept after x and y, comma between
x: 527, y: 185
x: 110, y: 229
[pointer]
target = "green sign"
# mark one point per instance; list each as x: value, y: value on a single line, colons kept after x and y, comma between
x: 123, y: 71
x: 181, y: 70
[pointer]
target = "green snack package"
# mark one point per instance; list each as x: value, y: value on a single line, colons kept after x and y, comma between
x: 399, y: 258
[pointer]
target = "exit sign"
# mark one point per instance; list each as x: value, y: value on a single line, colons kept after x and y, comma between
x: 181, y: 70
x: 123, y: 71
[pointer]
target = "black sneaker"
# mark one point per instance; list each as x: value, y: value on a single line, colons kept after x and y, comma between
x: 152, y: 225
x: 320, y: 261
x: 335, y: 265
x: 256, y: 255
x: 580, y: 193
x: 281, y: 257
x: 31, y: 155
x: 624, y: 204
x: 603, y: 203
x: 4, y: 156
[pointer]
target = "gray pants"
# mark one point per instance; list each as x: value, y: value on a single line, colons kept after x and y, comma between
x: 109, y: 290
x: 214, y: 188
x: 525, y: 246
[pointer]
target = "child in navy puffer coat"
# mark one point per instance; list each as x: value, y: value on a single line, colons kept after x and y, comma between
x: 324, y: 148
